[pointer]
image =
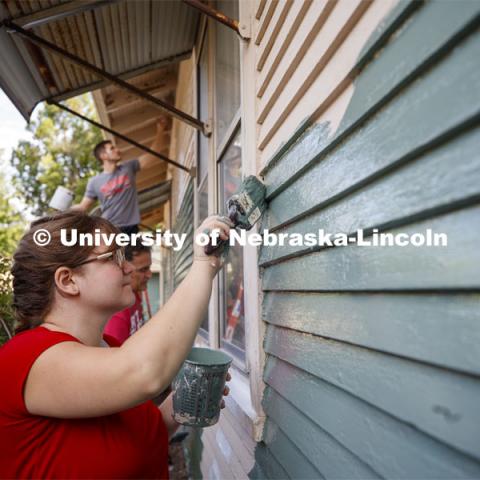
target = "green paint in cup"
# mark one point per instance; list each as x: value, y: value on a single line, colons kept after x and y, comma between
x: 198, y: 387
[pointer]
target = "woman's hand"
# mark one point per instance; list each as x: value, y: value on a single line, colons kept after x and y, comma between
x: 212, y: 225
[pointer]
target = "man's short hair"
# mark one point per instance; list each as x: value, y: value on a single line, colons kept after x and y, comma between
x: 134, y: 250
x: 99, y: 148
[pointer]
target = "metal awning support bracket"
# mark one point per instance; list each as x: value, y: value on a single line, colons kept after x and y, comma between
x: 120, y: 135
x: 41, y: 42
x: 242, y: 30
x: 207, y: 128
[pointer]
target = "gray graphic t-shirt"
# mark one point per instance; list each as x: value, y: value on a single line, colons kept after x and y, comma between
x: 117, y: 194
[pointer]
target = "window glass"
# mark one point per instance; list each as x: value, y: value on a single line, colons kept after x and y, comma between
x: 203, y: 112
x: 203, y: 153
x: 227, y: 70
x: 202, y: 214
x: 231, y: 304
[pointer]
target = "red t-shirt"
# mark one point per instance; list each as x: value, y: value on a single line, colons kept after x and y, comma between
x: 126, y: 322
x: 129, y: 444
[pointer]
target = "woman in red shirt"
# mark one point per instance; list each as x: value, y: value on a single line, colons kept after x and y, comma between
x: 68, y: 407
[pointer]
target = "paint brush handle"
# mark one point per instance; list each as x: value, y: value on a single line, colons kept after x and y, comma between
x: 210, y: 249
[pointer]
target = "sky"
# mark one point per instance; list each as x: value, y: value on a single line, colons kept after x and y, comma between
x: 12, y: 128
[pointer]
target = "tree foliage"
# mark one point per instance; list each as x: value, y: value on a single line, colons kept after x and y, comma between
x: 6, y: 312
x: 11, y: 221
x: 59, y: 154
x: 11, y: 229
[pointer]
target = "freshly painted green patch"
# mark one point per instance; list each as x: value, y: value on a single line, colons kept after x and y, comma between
x: 420, y: 118
x: 299, y: 155
x: 429, y: 184
x: 415, y: 47
x: 388, y: 26
x: 397, y: 65
x: 390, y: 268
x: 284, y: 147
x: 439, y: 402
x: 405, y: 324
x: 393, y: 448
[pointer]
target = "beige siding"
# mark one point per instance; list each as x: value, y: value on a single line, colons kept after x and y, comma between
x: 306, y: 68
x: 182, y: 146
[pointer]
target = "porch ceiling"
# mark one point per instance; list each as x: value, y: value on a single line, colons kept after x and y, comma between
x: 125, y: 38
x: 141, y: 41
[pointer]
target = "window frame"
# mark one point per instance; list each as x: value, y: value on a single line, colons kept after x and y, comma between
x: 234, y: 128
x: 203, y: 42
x: 247, y: 385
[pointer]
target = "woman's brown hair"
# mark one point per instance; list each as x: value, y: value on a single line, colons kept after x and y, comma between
x: 34, y: 266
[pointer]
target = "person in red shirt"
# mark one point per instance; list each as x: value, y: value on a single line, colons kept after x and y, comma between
x: 128, y: 321
x: 73, y: 405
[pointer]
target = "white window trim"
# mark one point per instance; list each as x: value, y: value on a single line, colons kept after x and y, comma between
x: 254, y: 327
x: 245, y: 390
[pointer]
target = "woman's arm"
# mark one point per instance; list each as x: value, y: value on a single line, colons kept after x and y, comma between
x: 70, y: 380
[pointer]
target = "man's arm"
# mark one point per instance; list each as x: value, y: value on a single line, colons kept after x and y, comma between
x: 84, y: 205
x: 148, y: 160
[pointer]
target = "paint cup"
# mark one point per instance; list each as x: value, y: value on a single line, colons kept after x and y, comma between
x: 62, y: 199
x: 198, y: 387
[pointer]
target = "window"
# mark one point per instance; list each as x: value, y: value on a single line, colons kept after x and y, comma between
x: 219, y: 65
x: 203, y: 148
x: 231, y: 285
x: 229, y: 174
x: 227, y: 72
x: 222, y: 61
x: 203, y: 115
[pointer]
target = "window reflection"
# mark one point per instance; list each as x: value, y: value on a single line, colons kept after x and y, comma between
x: 233, y: 322
x: 227, y: 71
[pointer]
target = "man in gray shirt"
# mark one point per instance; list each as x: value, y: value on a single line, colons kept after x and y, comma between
x: 115, y: 186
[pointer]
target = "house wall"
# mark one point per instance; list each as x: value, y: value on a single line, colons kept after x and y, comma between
x: 372, y: 354
x: 358, y: 114
x: 225, y: 450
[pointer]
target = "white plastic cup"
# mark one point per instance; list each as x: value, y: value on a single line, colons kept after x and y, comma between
x: 62, y: 199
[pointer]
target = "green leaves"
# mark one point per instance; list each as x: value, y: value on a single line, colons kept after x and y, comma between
x: 59, y: 154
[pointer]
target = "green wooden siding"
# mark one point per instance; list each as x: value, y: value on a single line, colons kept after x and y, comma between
x: 182, y: 259
x: 373, y: 354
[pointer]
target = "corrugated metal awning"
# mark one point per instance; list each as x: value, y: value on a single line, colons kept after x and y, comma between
x: 124, y: 38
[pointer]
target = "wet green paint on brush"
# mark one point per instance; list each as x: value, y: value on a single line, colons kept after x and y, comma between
x: 244, y: 208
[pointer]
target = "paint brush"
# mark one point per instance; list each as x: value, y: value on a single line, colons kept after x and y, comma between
x: 244, y: 208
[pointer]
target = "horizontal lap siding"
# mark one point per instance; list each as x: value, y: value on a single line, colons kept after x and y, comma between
x: 373, y: 354
x: 398, y: 323
x: 182, y: 259
x: 391, y: 447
